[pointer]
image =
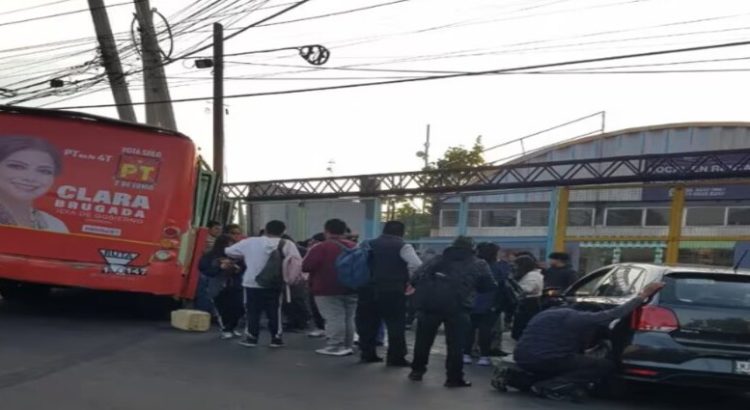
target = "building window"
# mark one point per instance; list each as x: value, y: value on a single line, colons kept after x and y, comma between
x: 706, y: 256
x: 497, y: 218
x: 473, y: 219
x: 624, y: 217
x: 581, y: 217
x: 448, y: 219
x: 657, y: 217
x: 705, y: 216
x: 738, y: 216
x: 534, y: 217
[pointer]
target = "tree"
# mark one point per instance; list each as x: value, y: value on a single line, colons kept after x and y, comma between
x: 460, y: 157
x: 418, y: 220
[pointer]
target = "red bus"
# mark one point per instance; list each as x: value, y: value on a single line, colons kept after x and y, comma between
x: 96, y: 203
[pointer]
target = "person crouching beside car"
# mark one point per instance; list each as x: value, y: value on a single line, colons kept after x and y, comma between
x: 553, y: 343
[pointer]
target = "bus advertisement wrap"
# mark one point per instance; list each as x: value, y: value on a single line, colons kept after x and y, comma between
x: 93, y: 203
x: 88, y: 183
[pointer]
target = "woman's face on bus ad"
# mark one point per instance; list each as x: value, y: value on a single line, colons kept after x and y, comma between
x: 26, y: 175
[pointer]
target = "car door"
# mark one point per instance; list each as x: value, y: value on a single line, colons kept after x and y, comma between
x: 606, y: 289
x: 585, y: 288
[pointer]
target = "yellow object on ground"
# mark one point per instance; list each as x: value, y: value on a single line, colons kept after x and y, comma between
x: 191, y: 320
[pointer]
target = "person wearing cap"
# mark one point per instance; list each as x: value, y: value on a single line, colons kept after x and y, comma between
x: 445, y: 290
x: 559, y: 274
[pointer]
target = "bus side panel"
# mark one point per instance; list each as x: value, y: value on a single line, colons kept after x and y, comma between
x: 191, y: 282
x: 108, y: 204
x: 102, y: 264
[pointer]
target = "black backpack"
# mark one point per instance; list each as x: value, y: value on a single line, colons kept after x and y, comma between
x: 271, y: 276
x: 510, y: 294
x: 438, y: 290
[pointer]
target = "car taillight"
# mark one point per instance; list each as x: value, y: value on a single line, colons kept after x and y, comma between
x: 641, y: 372
x: 655, y: 319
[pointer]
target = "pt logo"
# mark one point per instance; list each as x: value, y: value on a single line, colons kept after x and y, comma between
x: 118, y: 263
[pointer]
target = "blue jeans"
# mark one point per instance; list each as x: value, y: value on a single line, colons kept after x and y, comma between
x: 203, y: 301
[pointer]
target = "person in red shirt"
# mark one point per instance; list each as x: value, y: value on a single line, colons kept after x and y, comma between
x: 337, y: 304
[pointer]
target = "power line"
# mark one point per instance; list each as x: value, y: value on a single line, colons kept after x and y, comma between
x: 470, y: 22
x: 477, y: 52
x: 323, y: 68
x: 242, y: 30
x: 336, y: 13
x: 688, y: 71
x: 187, y: 81
x: 442, y: 77
x: 128, y: 51
x: 65, y: 13
x: 672, y: 63
x: 39, y: 6
x: 305, y: 69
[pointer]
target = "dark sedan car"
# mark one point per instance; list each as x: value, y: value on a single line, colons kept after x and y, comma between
x: 695, y: 332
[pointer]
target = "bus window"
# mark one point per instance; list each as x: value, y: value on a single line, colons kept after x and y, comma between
x: 206, y: 192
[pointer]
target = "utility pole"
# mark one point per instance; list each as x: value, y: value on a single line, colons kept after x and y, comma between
x: 427, y: 148
x: 111, y: 61
x: 219, y: 100
x: 154, y: 78
x: 425, y: 154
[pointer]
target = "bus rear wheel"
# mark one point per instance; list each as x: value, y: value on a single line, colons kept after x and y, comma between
x: 17, y: 291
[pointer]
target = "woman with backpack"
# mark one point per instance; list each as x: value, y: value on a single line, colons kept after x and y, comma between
x: 224, y: 285
x: 487, y: 306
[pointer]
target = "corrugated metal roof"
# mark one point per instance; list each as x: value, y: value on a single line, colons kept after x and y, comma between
x: 666, y: 138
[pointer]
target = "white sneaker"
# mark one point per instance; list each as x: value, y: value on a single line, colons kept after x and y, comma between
x: 317, y: 333
x: 226, y: 335
x: 468, y: 359
x: 238, y: 333
x: 484, y: 361
x: 335, y: 351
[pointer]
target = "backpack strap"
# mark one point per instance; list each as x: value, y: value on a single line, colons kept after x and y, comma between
x: 280, y: 248
x: 339, y: 244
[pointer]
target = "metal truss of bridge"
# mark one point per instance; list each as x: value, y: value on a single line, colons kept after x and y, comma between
x: 612, y: 170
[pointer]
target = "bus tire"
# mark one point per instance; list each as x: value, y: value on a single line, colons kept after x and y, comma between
x: 153, y: 307
x: 23, y: 292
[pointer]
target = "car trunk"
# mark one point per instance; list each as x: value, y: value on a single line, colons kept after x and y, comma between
x: 712, y: 310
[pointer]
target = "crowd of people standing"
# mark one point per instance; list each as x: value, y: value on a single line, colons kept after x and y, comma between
x: 470, y: 290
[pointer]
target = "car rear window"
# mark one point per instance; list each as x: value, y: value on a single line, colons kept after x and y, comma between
x: 726, y: 291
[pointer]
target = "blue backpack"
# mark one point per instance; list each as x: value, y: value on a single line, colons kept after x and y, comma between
x: 353, y: 266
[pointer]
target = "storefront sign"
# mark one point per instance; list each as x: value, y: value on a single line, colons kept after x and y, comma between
x: 725, y: 192
x: 716, y: 192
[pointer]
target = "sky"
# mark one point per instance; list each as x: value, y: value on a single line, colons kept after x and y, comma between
x: 380, y: 129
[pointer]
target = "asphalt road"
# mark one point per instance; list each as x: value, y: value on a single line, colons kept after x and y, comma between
x: 83, y: 351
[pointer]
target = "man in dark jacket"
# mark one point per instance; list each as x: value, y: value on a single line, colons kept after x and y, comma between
x: 559, y: 274
x: 446, y: 288
x: 384, y: 299
x: 552, y: 346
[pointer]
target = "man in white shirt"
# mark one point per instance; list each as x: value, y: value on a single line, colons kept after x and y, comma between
x: 255, y: 252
